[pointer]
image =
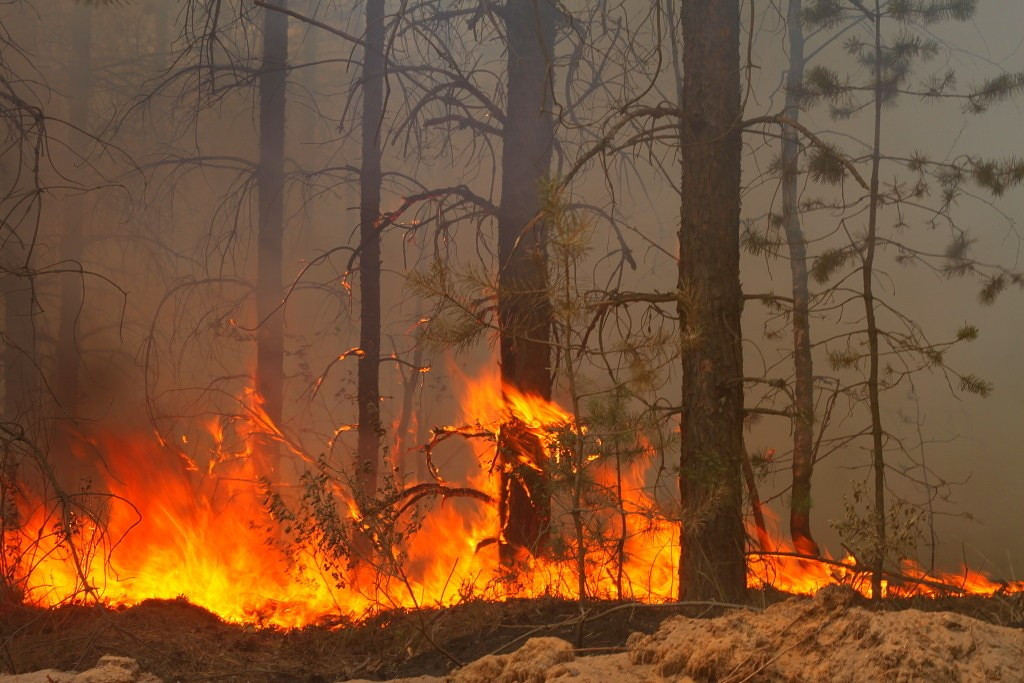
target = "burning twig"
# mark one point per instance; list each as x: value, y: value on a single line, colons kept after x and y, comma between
x: 416, y: 493
x: 935, y: 584
x: 440, y: 434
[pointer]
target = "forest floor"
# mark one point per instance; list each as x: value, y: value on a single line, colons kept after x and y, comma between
x: 836, y: 636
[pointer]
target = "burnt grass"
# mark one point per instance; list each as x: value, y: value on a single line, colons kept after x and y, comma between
x: 178, y: 641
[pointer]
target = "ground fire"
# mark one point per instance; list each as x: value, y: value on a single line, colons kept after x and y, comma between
x: 172, y: 526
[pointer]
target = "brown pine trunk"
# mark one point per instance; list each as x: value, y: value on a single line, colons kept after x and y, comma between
x: 368, y: 388
x: 524, y: 309
x: 19, y: 349
x: 270, y: 186
x: 72, y: 241
x: 803, y: 390
x: 713, y: 566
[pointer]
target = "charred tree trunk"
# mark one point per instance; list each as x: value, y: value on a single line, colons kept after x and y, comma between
x: 713, y: 565
x: 524, y: 309
x: 368, y: 389
x: 270, y: 187
x: 72, y: 242
x: 803, y: 390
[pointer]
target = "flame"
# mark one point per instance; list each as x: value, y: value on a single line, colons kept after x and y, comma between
x: 167, y: 524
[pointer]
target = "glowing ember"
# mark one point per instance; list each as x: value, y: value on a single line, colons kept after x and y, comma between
x: 169, y: 526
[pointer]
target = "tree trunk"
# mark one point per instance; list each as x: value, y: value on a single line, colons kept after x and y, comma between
x: 164, y: 23
x: 17, y: 289
x: 72, y: 242
x: 713, y: 565
x: 270, y: 186
x: 878, y: 455
x: 368, y: 389
x: 803, y: 390
x: 524, y: 309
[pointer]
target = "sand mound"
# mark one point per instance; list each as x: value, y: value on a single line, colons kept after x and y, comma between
x: 109, y: 669
x: 829, y: 638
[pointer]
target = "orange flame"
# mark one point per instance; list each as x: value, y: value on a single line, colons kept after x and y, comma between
x: 172, y: 527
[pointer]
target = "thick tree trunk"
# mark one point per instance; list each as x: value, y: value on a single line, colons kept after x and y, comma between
x: 20, y: 381
x: 803, y: 390
x: 524, y: 309
x: 713, y: 565
x: 72, y: 241
x: 270, y: 186
x: 368, y: 389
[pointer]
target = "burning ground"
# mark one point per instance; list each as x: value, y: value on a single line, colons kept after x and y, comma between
x: 235, y: 536
x: 266, y: 602
x: 833, y: 637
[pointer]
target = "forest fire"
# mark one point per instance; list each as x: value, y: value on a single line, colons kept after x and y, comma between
x: 169, y: 526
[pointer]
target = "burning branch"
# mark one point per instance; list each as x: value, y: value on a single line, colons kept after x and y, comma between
x: 414, y: 494
x: 440, y: 434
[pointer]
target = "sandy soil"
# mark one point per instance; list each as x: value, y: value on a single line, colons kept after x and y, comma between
x: 109, y: 669
x: 830, y: 638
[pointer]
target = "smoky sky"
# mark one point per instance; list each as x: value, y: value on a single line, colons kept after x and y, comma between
x: 167, y: 330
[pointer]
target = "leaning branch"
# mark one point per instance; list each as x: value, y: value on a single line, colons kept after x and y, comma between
x: 780, y: 120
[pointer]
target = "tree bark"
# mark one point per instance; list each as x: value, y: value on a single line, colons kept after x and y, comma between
x: 270, y: 187
x: 803, y: 390
x: 874, y: 401
x: 17, y: 290
x: 524, y: 308
x: 713, y: 565
x: 368, y: 387
x: 72, y: 243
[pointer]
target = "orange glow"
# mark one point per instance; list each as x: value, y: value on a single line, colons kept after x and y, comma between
x: 176, y: 524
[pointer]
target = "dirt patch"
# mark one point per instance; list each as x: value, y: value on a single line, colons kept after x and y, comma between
x: 108, y: 670
x: 834, y: 637
x: 829, y: 638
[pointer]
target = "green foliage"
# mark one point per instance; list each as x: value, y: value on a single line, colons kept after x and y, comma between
x: 998, y: 176
x: 322, y: 526
x: 464, y: 301
x: 932, y: 11
x: 829, y: 262
x: 569, y: 236
x: 825, y: 14
x: 314, y: 523
x: 958, y: 262
x: 939, y: 85
x: 995, y: 284
x: 845, y: 359
x: 859, y: 532
x: 967, y: 333
x: 993, y: 287
x: 758, y: 242
x: 972, y: 384
x: 822, y: 83
x: 993, y: 91
x: 827, y: 165
x: 568, y: 241
x: 904, y: 51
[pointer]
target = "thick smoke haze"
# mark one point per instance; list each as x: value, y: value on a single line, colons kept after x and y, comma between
x: 151, y: 149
